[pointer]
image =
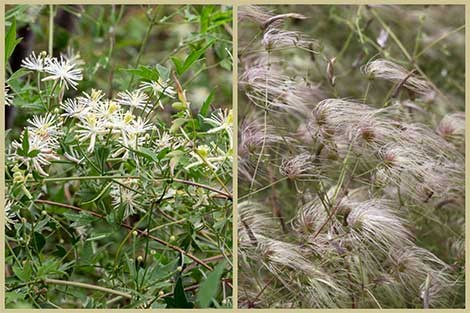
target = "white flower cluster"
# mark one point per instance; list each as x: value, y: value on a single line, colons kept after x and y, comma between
x: 64, y: 70
x: 99, y: 117
x: 38, y: 143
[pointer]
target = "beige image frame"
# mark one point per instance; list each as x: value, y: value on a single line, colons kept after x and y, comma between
x: 234, y: 4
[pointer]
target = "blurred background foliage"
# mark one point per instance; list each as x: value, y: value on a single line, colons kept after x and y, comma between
x: 430, y: 36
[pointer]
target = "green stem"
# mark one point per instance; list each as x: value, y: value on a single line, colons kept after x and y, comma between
x: 58, y: 179
x: 177, y: 180
x: 265, y: 124
x: 263, y: 188
x: 142, y: 46
x: 87, y: 286
x: 439, y: 39
x: 367, y: 92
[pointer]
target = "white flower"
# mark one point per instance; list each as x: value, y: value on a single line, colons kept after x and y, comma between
x: 10, y: 217
x: 136, y: 99
x: 75, y: 108
x: 38, y: 155
x: 91, y: 100
x: 164, y: 141
x: 132, y: 134
x: 47, y: 128
x: 73, y: 156
x: 36, y: 62
x: 64, y: 71
x: 90, y: 128
x: 109, y: 111
x: 139, y: 126
x: 223, y: 120
x: 8, y: 96
x: 73, y: 57
x: 125, y: 196
x: 159, y: 88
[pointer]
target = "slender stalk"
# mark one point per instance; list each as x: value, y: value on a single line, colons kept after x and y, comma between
x: 187, y: 182
x: 144, y: 44
x: 178, y: 180
x: 265, y: 125
x: 432, y: 44
x: 59, y: 179
x: 262, y: 188
x: 87, y: 286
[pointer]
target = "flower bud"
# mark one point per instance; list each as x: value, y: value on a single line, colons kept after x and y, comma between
x: 178, y: 106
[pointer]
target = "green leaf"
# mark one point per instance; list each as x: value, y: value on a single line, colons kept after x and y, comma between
x: 205, y: 106
x: 17, y: 75
x: 148, y: 154
x: 99, y: 195
x: 60, y: 251
x: 80, y: 219
x: 49, y: 267
x: 177, y: 123
x: 130, y: 266
x: 175, y: 153
x: 25, y: 273
x: 190, y: 59
x: 161, y: 272
x: 178, y: 65
x: 205, y: 18
x: 195, y: 55
x: 10, y: 40
x: 163, y: 71
x: 101, y: 156
x: 210, y: 287
x: 38, y: 241
x: 25, y: 143
x: 145, y: 72
x: 179, y: 299
x: 34, y: 153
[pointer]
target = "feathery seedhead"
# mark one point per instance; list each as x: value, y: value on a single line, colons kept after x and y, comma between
x: 375, y: 222
x: 296, y: 166
x: 452, y: 128
x: 264, y: 18
x: 387, y: 70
